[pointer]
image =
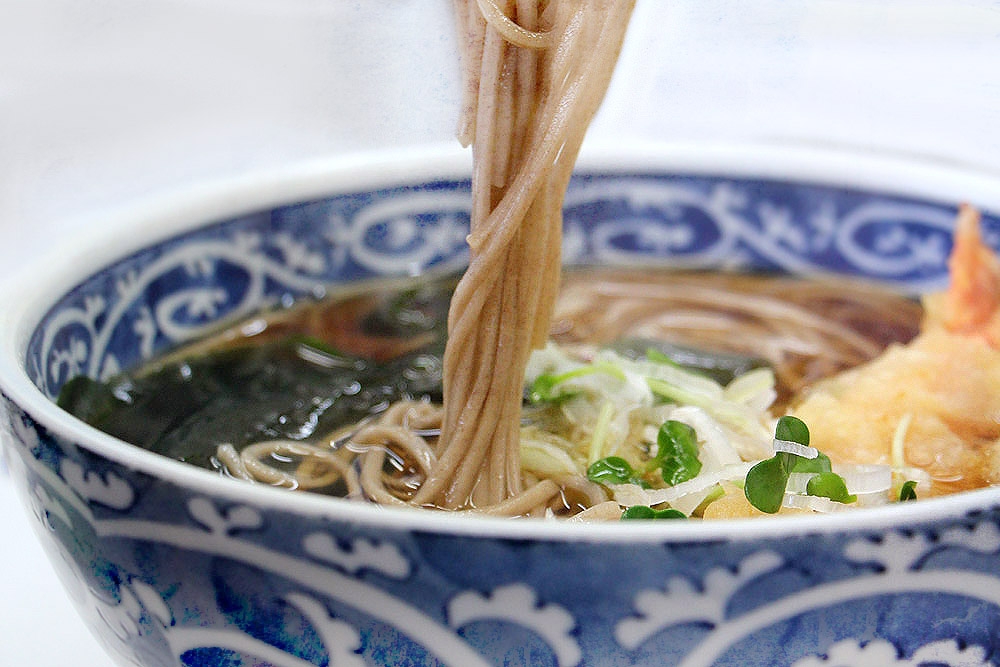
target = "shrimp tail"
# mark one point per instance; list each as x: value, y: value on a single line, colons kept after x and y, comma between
x: 971, y: 305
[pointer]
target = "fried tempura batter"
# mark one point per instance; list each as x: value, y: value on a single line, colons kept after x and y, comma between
x: 942, y: 390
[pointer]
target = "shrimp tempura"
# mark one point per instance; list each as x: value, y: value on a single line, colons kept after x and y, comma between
x: 971, y: 305
x: 937, y: 397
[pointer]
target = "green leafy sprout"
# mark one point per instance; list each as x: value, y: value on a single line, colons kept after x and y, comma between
x: 676, y: 460
x: 676, y: 453
x: 766, y: 482
x: 614, y: 470
x: 646, y: 512
x: 830, y: 485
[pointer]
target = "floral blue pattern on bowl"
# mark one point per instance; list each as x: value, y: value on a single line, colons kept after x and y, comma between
x: 172, y: 566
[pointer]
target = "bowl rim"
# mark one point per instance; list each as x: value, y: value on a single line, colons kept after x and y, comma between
x: 28, y: 297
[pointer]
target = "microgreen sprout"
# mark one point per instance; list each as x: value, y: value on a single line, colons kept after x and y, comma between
x: 646, y: 512
x: 677, y: 452
x: 830, y: 485
x: 613, y: 470
x: 820, y: 464
x: 766, y: 482
x: 792, y: 429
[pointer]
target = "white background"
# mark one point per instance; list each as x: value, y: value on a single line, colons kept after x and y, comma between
x: 106, y: 102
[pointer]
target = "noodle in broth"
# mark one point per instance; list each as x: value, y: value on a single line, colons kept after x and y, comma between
x: 784, y: 332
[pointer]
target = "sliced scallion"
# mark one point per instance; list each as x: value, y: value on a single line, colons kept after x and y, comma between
x: 545, y: 388
x: 908, y: 491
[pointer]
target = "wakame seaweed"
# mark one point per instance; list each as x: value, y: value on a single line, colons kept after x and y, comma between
x: 296, y: 386
x: 287, y: 389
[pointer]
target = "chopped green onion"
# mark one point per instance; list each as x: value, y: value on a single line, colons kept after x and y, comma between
x: 543, y: 389
x: 677, y: 452
x: 720, y: 366
x: 908, y: 491
x: 660, y: 357
x: 600, y: 435
x: 830, y: 485
x: 674, y: 393
x: 315, y: 343
x: 712, y: 496
x: 646, y: 512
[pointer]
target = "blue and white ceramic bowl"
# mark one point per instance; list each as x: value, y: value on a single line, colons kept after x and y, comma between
x: 172, y: 565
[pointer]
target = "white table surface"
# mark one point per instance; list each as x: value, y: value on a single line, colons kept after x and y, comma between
x: 106, y: 102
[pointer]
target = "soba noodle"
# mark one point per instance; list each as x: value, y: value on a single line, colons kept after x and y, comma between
x: 535, y: 73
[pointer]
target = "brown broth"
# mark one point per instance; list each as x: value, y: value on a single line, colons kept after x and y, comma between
x: 325, y: 365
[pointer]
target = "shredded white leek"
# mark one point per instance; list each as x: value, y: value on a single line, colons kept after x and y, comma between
x: 792, y: 447
x: 814, y: 503
x: 716, y: 449
x: 547, y: 459
x: 631, y: 494
x: 864, y: 479
x: 754, y: 389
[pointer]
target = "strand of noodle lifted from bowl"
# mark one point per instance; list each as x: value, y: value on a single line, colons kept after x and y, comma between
x: 531, y: 89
